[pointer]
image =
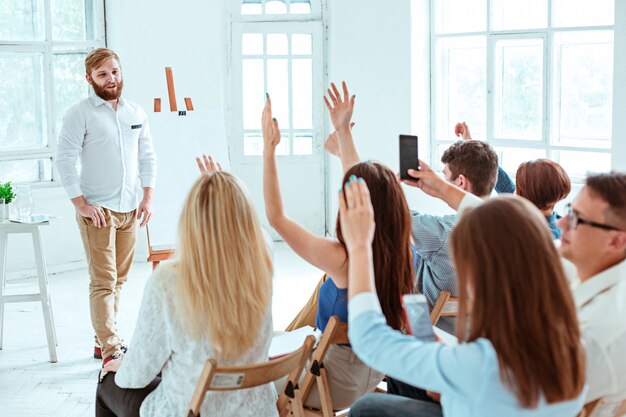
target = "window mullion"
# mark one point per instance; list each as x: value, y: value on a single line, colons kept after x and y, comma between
x: 490, y: 67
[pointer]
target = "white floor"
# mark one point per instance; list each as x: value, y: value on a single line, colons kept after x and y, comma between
x: 32, y: 386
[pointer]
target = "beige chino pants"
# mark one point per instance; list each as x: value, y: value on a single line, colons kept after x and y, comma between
x: 109, y: 250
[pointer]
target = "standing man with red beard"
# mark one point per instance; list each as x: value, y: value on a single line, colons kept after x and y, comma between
x: 112, y: 138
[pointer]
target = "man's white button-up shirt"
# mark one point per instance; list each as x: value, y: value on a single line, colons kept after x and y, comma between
x: 115, y: 150
x: 601, y: 304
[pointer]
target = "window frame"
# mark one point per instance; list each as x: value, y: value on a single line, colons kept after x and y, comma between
x: 549, y: 78
x: 48, y: 48
x: 280, y: 24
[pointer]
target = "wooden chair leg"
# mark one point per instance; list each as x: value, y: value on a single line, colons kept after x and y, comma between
x: 324, y: 392
x: 297, y: 409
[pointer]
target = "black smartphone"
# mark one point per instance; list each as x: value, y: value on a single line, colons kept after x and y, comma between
x: 418, y: 317
x: 408, y: 155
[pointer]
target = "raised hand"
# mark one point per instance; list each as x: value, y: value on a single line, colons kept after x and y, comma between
x: 356, y: 215
x: 427, y: 180
x: 207, y: 165
x: 462, y: 130
x: 432, y: 184
x: 332, y: 142
x: 340, y: 108
x: 271, y: 132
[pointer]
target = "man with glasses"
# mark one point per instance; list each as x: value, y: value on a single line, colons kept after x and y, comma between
x: 594, y: 240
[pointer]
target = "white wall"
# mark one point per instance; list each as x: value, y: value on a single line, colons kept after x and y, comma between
x: 368, y: 46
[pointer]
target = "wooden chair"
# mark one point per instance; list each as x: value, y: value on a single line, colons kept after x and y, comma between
x: 156, y: 254
x: 216, y: 378
x: 604, y: 407
x: 334, y: 333
x: 445, y: 306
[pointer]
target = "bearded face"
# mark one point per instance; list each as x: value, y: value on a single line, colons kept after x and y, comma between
x: 106, y: 80
x: 111, y: 90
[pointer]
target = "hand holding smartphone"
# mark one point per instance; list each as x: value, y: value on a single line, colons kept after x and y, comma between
x: 418, y: 317
x: 408, y: 155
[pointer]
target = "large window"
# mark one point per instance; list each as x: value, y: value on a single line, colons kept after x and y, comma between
x: 43, y: 44
x: 277, y: 48
x: 532, y: 77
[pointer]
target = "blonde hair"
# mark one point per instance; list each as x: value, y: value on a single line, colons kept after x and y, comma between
x: 97, y: 57
x: 224, y: 266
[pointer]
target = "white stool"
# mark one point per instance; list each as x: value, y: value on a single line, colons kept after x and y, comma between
x: 7, y: 227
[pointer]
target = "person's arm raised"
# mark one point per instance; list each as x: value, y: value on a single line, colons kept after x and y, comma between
x: 340, y: 110
x: 432, y: 184
x: 326, y: 254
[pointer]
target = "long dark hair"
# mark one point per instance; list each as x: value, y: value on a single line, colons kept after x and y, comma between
x: 393, y: 259
x: 521, y: 300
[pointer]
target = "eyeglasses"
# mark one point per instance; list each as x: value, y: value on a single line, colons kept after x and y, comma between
x: 573, y: 220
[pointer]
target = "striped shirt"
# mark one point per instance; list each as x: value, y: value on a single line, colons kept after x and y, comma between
x: 435, y: 269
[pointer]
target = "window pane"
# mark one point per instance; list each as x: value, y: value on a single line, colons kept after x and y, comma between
x: 252, y: 44
x: 277, y: 44
x: 511, y: 158
x: 460, y: 88
x: 253, y: 93
x: 69, y: 83
x: 583, y: 88
x: 519, y: 14
x: 455, y: 16
x: 277, y: 86
x: 300, y: 8
x: 518, y: 94
x: 252, y: 144
x: 21, y: 20
x: 27, y: 170
x: 22, y: 121
x: 69, y: 20
x: 301, y: 44
x: 251, y: 8
x: 579, y: 164
x: 303, y: 145
x: 302, y: 93
x: 275, y: 7
x: 583, y: 12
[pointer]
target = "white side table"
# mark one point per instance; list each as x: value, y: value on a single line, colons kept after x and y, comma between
x: 43, y: 296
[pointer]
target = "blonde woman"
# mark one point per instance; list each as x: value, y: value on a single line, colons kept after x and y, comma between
x: 213, y: 301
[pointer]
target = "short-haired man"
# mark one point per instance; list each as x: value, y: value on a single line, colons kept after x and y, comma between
x: 594, y: 240
x: 473, y: 167
x: 112, y: 138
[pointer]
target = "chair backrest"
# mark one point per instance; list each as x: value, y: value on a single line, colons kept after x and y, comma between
x: 229, y: 378
x: 445, y: 306
x: 605, y: 407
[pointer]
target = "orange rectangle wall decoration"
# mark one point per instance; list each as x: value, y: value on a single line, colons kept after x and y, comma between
x: 157, y: 105
x: 188, y: 104
x: 171, y: 91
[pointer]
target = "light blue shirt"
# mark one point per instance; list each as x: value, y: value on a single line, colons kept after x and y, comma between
x: 467, y: 375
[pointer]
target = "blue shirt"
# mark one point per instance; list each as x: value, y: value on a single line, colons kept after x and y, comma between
x: 467, y: 375
x: 333, y: 301
x: 505, y: 185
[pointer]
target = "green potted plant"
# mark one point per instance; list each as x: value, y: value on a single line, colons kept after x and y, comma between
x: 7, y: 195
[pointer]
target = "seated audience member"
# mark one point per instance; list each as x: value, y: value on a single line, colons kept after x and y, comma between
x: 187, y: 313
x: 472, y: 166
x: 543, y: 182
x: 594, y: 240
x: 520, y: 353
x: 349, y: 378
